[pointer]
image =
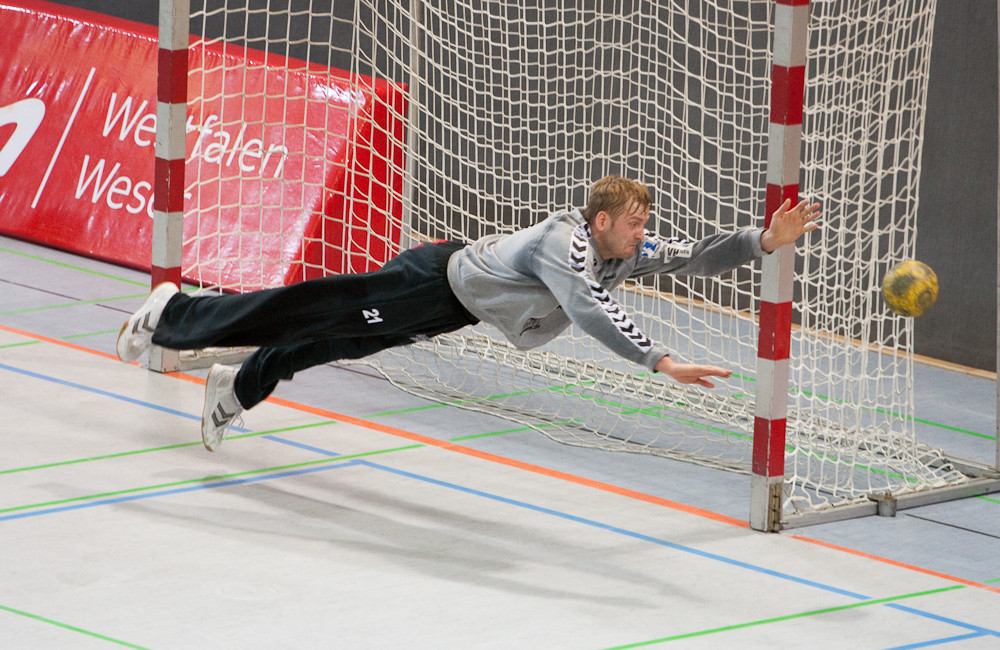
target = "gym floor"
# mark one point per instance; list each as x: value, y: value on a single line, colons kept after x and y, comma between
x: 345, y: 513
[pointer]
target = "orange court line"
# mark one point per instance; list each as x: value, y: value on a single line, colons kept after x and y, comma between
x: 65, y: 344
x: 510, y: 462
x: 902, y: 565
x: 579, y: 480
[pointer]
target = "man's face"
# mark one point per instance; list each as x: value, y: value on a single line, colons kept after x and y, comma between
x: 618, y: 237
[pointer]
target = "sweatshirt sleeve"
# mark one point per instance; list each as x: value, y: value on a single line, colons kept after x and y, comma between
x: 712, y: 255
x: 560, y: 262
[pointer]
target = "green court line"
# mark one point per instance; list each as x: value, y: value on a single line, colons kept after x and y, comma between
x: 65, y: 338
x: 471, y: 401
x: 71, y: 628
x: 946, y: 427
x: 788, y: 617
x: 251, y: 435
x: 73, y: 267
x: 18, y: 345
x: 885, y: 412
x: 654, y: 411
x: 83, y: 336
x: 651, y: 411
x: 414, y: 409
x: 136, y: 452
x: 75, y: 303
x: 207, y: 479
x: 506, y: 431
x: 255, y: 434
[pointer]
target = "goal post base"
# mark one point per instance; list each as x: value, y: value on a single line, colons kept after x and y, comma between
x: 765, y: 502
x: 974, y: 487
x: 165, y: 361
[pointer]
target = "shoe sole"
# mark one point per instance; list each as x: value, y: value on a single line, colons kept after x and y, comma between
x: 118, y: 343
x: 121, y: 332
x: 204, y: 416
x: 208, y: 382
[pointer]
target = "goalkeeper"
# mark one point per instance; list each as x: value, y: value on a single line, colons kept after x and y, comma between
x: 530, y: 284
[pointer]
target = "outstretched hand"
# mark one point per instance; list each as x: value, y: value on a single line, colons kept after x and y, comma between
x: 690, y: 373
x: 788, y: 224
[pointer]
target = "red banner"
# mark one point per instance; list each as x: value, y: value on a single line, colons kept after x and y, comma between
x: 305, y: 183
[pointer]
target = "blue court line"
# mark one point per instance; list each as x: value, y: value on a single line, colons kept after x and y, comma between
x: 181, y: 490
x: 104, y: 393
x: 615, y: 529
x: 292, y: 443
x: 977, y: 631
x: 927, y: 644
x: 975, y: 628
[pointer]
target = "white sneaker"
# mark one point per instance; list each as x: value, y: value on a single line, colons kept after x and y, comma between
x: 221, y: 406
x: 136, y: 335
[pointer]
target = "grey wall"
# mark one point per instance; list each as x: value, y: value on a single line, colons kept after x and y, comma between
x: 957, y: 220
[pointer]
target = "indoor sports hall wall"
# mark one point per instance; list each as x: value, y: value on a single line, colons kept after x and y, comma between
x: 957, y: 218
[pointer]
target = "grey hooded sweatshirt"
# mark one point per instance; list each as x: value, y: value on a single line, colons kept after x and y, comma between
x: 533, y: 283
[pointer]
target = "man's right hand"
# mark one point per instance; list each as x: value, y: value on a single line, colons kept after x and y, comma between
x: 690, y: 373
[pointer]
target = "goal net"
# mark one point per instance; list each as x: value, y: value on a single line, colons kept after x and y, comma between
x: 395, y: 123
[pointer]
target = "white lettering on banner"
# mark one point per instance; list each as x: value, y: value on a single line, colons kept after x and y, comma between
x: 110, y: 189
x: 213, y: 143
x: 127, y: 119
x: 26, y: 115
x: 140, y: 123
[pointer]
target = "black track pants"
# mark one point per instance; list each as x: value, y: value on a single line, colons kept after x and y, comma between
x: 318, y: 321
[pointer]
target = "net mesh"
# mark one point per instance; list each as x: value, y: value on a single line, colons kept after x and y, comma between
x: 509, y: 111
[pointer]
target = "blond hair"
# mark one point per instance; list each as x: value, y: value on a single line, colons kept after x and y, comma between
x: 614, y: 194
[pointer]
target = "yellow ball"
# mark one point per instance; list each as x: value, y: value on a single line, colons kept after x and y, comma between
x: 910, y: 288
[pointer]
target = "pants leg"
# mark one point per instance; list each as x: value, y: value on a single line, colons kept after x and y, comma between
x: 382, y: 302
x: 318, y: 321
x: 260, y: 373
x: 408, y: 295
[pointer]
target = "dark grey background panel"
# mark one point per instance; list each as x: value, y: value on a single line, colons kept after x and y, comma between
x: 957, y: 214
